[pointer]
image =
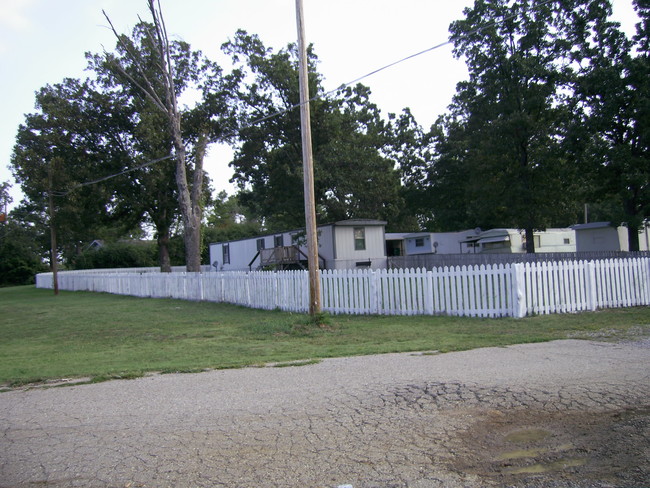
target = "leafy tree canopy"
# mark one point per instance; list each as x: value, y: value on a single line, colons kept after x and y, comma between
x: 354, y: 178
x: 614, y: 87
x: 509, y: 151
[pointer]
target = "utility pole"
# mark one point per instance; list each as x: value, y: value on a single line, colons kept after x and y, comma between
x: 4, y: 214
x: 53, y: 246
x: 308, y: 168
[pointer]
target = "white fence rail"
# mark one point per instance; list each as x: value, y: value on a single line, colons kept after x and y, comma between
x: 502, y: 290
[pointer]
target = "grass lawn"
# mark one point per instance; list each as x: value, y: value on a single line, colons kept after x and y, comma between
x: 81, y: 334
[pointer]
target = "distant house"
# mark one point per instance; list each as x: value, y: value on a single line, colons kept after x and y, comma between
x: 476, y: 241
x: 341, y: 245
x: 603, y: 236
x: 437, y: 242
x: 506, y: 241
x: 95, y: 245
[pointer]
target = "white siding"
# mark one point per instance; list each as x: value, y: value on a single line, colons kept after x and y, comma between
x: 335, y: 246
x: 348, y: 257
x: 644, y: 237
x: 437, y: 242
x: 412, y: 247
x: 553, y: 240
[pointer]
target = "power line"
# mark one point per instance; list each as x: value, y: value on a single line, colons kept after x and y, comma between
x: 314, y: 98
x: 87, y: 183
x: 383, y: 68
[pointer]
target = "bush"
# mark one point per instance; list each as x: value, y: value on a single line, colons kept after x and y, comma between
x: 118, y: 255
x: 19, y: 258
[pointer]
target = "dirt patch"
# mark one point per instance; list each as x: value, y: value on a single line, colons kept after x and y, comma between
x: 532, y: 448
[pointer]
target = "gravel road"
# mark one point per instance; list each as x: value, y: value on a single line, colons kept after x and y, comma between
x: 565, y: 413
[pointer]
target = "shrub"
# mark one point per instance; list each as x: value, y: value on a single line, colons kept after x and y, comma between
x: 137, y: 254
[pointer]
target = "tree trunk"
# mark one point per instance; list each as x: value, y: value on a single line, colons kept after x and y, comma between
x: 634, y: 222
x: 163, y: 252
x: 190, y: 203
x: 192, y: 238
x: 530, y: 240
x: 189, y: 199
x: 633, y: 237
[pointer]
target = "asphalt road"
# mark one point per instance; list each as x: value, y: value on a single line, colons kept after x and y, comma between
x: 565, y: 413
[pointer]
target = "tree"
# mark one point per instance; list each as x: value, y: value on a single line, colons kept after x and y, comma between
x: 20, y: 255
x: 70, y: 140
x: 353, y: 176
x: 147, y: 191
x: 5, y: 200
x: 121, y: 254
x: 412, y: 148
x: 228, y: 220
x: 510, y: 120
x: 615, y: 89
x: 162, y: 71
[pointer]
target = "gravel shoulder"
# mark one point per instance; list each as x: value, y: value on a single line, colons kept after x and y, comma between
x: 564, y: 413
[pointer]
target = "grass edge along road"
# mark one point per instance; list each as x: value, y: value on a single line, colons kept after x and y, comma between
x: 101, y: 336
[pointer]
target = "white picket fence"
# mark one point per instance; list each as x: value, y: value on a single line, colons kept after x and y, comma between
x: 513, y: 290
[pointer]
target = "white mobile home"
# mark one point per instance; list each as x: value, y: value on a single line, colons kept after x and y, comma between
x: 436, y: 242
x: 341, y: 245
x: 506, y: 241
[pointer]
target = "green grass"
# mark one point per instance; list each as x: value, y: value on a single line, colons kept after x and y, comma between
x: 101, y: 336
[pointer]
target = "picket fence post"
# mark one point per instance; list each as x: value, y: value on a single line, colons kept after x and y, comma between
x: 373, y: 290
x: 590, y: 283
x: 518, y: 291
x: 428, y: 292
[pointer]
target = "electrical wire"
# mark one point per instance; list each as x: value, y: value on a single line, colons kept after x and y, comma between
x: 314, y: 98
x: 378, y: 70
x: 87, y: 183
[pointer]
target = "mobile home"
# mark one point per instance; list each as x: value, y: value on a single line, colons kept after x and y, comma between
x: 603, y: 236
x: 506, y: 241
x: 436, y: 242
x: 345, y: 244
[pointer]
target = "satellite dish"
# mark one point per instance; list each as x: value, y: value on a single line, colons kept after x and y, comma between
x: 435, y: 244
x: 477, y: 231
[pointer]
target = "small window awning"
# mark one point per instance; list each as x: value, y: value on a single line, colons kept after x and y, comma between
x: 470, y: 240
x: 494, y: 239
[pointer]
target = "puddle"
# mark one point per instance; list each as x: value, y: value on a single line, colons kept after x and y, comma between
x: 519, y: 446
x: 521, y: 454
x: 545, y: 468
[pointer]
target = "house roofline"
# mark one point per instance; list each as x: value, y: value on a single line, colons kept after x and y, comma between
x: 592, y: 225
x: 340, y: 223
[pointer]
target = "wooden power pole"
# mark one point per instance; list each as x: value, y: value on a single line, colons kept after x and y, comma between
x: 308, y: 168
x: 53, y: 247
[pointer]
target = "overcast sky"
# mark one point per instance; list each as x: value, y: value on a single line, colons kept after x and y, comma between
x: 44, y: 41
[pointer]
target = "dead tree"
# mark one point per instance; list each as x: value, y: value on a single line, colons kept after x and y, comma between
x: 189, y: 195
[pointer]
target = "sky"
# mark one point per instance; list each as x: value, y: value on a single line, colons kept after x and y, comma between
x: 44, y: 41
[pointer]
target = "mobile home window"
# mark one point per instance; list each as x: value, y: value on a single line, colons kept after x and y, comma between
x: 278, y: 241
x: 359, y: 239
x: 260, y: 244
x: 419, y: 242
x: 226, y: 253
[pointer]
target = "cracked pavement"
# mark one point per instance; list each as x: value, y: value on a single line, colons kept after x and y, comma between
x: 565, y: 413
